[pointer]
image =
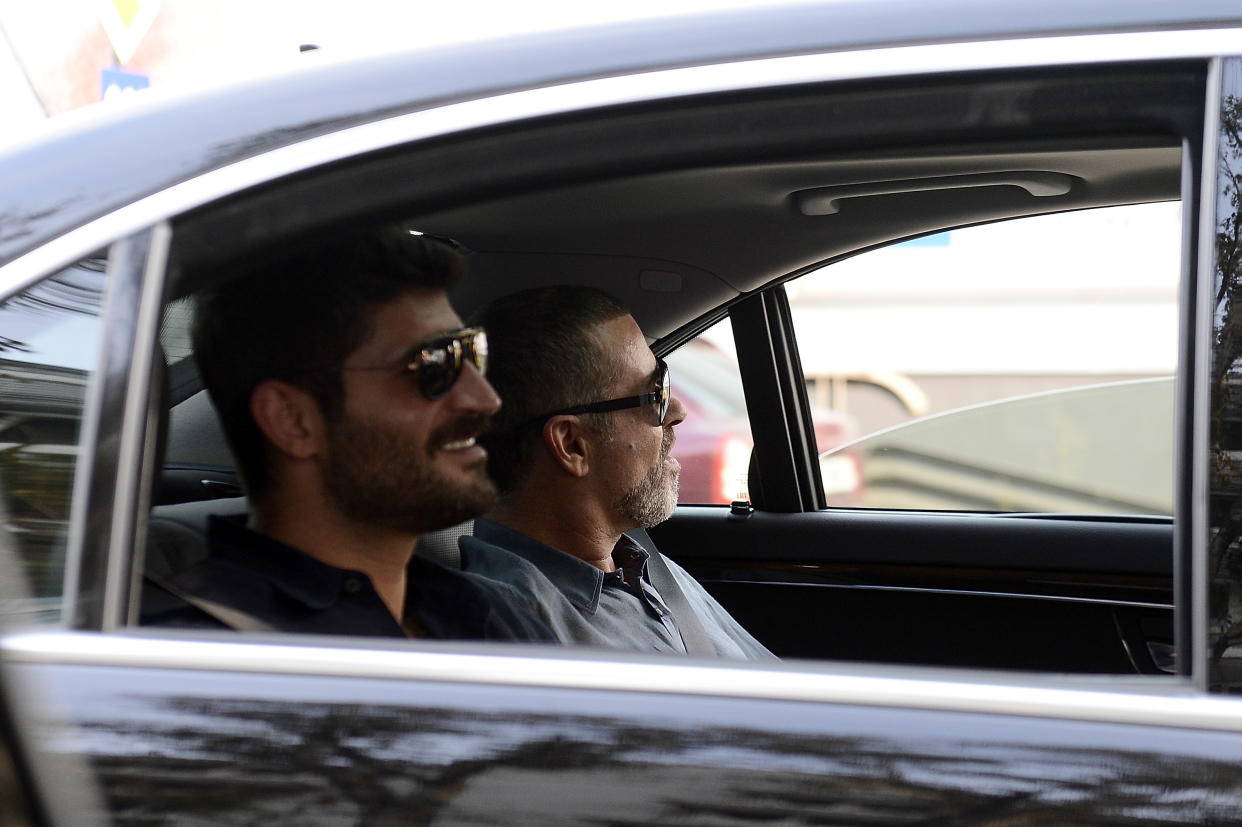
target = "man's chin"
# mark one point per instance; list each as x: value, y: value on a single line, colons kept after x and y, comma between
x: 474, y: 494
x: 472, y: 481
x: 453, y: 508
x: 447, y: 500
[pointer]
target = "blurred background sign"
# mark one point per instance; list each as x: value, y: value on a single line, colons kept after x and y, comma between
x: 126, y: 22
x: 114, y: 82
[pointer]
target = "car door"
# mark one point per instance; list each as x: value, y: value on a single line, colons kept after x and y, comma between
x: 221, y: 727
x: 1008, y: 536
x: 1031, y: 533
x: 40, y: 783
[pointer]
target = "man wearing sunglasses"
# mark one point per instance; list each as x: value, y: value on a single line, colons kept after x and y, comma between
x: 581, y: 455
x: 352, y: 398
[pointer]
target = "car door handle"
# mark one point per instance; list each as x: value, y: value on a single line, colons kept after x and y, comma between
x: 220, y: 489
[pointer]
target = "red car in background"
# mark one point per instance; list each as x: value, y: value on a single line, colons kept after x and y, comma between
x: 714, y: 443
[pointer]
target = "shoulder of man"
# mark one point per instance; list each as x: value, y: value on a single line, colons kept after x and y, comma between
x: 163, y: 605
x: 511, y: 613
x: 499, y: 564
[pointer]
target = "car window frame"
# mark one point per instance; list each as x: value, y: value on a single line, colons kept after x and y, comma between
x: 126, y: 384
x: 780, y: 414
x: 120, y: 424
x: 1183, y: 325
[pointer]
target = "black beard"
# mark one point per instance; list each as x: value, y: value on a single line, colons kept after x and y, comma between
x: 380, y: 478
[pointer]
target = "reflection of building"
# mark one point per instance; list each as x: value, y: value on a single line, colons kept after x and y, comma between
x: 28, y: 390
x: 40, y: 410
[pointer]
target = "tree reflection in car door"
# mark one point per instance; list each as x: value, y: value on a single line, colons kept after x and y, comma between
x: 41, y: 782
x: 1225, y: 464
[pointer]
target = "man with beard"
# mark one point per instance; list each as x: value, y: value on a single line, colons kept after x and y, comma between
x: 352, y: 398
x: 580, y: 453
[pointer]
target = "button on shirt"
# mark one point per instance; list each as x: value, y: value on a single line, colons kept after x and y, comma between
x: 584, y: 605
x: 291, y: 591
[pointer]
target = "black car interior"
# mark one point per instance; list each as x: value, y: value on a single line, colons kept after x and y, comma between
x: 691, y: 210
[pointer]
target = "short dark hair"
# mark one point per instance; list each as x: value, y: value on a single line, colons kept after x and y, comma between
x: 544, y: 356
x: 297, y: 317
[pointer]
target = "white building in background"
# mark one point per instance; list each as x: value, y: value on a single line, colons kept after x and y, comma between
x: 20, y: 108
x: 1092, y: 292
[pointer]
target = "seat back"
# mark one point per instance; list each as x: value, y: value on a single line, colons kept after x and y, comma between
x: 177, y: 534
x: 441, y: 546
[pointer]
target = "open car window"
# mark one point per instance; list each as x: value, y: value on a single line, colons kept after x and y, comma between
x: 714, y: 443
x: 1073, y: 318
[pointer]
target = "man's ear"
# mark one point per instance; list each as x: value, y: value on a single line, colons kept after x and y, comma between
x: 289, y: 417
x: 565, y: 438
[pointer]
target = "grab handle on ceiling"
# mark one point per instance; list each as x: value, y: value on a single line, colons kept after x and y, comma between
x: 825, y: 200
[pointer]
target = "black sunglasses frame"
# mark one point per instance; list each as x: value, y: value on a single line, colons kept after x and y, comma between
x: 440, y: 360
x: 661, y: 396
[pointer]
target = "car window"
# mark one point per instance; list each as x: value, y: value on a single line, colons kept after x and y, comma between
x: 48, y: 350
x: 714, y: 442
x: 1073, y: 317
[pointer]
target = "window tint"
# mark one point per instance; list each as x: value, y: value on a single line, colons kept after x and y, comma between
x: 48, y: 348
x: 919, y: 342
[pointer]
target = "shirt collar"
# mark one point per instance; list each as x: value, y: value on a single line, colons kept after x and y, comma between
x: 297, y: 574
x: 577, y: 579
x: 630, y: 559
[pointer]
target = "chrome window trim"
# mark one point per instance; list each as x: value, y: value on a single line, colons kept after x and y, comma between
x: 93, y: 430
x: 126, y: 543
x: 1185, y: 394
x: 111, y: 483
x: 1162, y: 701
x: 871, y: 63
x: 101, y: 461
x: 1201, y: 422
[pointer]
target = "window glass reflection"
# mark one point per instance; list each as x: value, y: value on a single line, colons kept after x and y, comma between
x: 48, y: 346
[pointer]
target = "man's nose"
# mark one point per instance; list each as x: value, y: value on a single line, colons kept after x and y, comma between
x: 472, y: 392
x: 676, y: 413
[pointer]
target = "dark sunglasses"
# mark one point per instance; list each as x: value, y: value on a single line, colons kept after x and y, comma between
x: 439, y: 361
x: 660, y: 397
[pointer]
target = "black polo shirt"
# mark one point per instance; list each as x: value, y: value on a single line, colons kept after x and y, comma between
x: 291, y: 591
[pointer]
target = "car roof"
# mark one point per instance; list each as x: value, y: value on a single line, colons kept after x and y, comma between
x: 91, y: 165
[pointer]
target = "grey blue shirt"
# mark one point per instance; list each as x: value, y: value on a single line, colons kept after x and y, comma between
x: 584, y: 605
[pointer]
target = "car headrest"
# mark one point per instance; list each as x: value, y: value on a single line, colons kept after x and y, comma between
x: 441, y: 546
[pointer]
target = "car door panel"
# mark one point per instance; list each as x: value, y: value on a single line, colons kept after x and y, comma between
x: 1012, y: 592
x: 362, y: 750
